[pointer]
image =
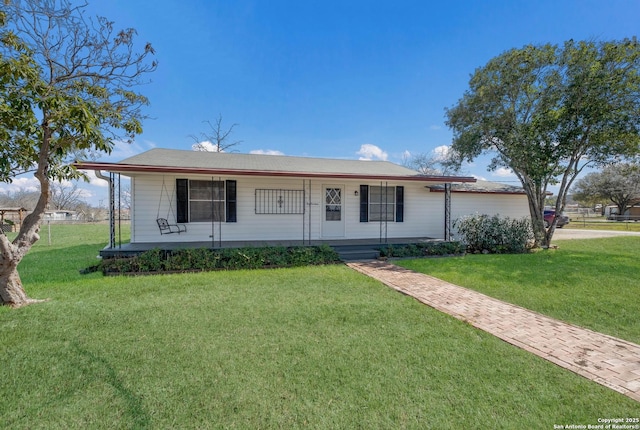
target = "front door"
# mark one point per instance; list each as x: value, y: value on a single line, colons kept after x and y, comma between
x: 333, y: 211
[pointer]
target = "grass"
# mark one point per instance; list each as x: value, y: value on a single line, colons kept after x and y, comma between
x: 317, y: 347
x: 612, y: 226
x: 592, y: 283
x: 580, y: 223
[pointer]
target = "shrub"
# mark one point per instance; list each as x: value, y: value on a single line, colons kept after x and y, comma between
x: 151, y: 261
x: 495, y: 234
x: 423, y: 249
x: 201, y: 259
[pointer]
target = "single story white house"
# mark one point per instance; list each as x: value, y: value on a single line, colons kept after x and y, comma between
x: 230, y: 198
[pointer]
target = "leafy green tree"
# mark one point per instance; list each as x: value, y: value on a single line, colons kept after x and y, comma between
x: 65, y: 92
x: 618, y: 183
x: 546, y: 112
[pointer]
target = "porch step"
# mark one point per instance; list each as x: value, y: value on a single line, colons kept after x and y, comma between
x: 354, y: 252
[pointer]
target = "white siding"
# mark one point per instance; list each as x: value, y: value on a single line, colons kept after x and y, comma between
x: 423, y: 211
x: 249, y: 226
x: 513, y: 206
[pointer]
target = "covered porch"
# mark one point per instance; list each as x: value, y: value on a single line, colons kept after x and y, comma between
x: 348, y: 249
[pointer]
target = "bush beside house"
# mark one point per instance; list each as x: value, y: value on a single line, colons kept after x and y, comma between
x: 495, y: 234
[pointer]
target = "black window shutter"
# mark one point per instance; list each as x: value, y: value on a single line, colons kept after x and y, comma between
x: 399, y: 204
x: 231, y: 203
x: 182, y: 200
x: 364, y: 203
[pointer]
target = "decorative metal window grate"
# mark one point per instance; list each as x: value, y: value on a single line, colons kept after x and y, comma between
x: 270, y: 202
x: 333, y: 204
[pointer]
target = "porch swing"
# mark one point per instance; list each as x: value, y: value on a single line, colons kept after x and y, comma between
x: 163, y: 223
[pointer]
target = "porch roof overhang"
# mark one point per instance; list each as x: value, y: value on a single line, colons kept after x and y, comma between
x: 506, y: 193
x: 479, y: 187
x: 129, y: 169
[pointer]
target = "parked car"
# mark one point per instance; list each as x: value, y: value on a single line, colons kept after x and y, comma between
x: 549, y: 215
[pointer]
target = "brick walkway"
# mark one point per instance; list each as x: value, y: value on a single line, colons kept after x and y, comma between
x: 612, y: 362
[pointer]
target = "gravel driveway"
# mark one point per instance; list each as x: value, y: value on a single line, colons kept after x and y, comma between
x: 570, y: 233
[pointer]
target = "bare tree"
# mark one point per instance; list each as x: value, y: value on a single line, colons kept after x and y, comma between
x: 217, y: 140
x: 20, y: 198
x: 429, y: 164
x: 65, y: 196
x: 91, y: 213
x: 423, y: 163
x: 125, y: 198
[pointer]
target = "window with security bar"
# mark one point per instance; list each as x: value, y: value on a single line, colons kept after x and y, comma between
x: 206, y: 201
x: 382, y: 203
x: 276, y: 202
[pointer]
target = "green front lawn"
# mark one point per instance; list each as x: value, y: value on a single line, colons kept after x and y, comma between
x: 588, y: 224
x: 317, y: 347
x: 593, y: 283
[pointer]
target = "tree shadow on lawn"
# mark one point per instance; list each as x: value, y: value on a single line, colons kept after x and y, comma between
x: 98, y: 369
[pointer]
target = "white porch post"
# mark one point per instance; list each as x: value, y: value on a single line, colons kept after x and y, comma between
x: 112, y: 220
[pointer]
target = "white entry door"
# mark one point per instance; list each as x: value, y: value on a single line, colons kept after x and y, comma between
x: 333, y: 211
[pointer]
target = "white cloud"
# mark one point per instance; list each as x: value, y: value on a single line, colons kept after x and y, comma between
x: 28, y: 184
x: 503, y: 172
x: 205, y: 146
x: 85, y: 194
x: 94, y: 180
x: 371, y: 152
x: 441, y: 152
x: 266, y: 152
x: 478, y: 177
x: 435, y: 127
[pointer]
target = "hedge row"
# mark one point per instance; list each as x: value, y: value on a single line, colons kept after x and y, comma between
x: 424, y: 249
x: 203, y: 259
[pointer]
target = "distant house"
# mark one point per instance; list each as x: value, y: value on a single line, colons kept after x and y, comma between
x: 631, y: 214
x: 60, y: 215
x: 229, y: 198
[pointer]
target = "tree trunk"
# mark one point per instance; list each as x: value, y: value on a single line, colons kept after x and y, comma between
x: 539, y: 231
x: 11, y: 291
x: 535, y: 198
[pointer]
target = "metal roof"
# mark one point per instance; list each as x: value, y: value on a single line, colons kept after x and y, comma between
x: 220, y: 163
x: 481, y: 187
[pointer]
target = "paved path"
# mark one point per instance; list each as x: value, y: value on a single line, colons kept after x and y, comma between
x: 612, y: 362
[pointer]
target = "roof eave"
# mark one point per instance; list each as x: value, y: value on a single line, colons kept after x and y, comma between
x: 136, y: 168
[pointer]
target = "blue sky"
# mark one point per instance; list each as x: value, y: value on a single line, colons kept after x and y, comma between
x: 343, y: 79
